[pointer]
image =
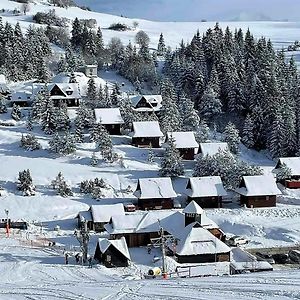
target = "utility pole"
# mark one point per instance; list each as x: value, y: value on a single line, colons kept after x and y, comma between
x: 83, y: 238
x: 163, y: 251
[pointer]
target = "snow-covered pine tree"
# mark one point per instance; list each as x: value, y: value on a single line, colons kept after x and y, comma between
x: 283, y: 173
x: 232, y: 137
x: 248, y: 134
x: 59, y: 184
x: 150, y: 157
x: 30, y: 142
x: 79, y: 130
x: 29, y: 122
x: 104, y: 144
x: 171, y: 165
x: 48, y: 116
x: 161, y: 47
x: 210, y: 105
x: 62, y: 144
x: 3, y: 108
x: 202, y: 132
x: 94, y: 160
x: 25, y: 183
x: 16, y: 113
x: 91, y: 93
x: 126, y: 112
x: 62, y: 119
x: 276, y: 141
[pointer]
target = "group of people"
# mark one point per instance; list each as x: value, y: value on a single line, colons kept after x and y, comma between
x: 78, y: 257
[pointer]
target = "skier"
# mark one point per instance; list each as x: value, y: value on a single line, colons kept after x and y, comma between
x: 67, y: 258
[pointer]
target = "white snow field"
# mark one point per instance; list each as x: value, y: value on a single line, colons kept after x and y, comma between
x: 32, y: 270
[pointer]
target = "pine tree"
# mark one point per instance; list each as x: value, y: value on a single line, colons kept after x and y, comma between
x: 248, y: 134
x: 94, y: 160
x: 209, y: 105
x: 150, y: 155
x: 16, y: 113
x: 48, y: 116
x: 171, y: 165
x: 284, y: 173
x: 59, y: 184
x: 29, y: 124
x: 202, y: 132
x: 76, y: 32
x: 25, y: 184
x: 161, y: 48
x: 91, y: 92
x: 30, y: 142
x: 232, y: 138
x: 104, y: 144
x: 62, y: 144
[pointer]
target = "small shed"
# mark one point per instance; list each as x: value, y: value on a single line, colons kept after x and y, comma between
x: 146, y: 134
x: 111, y: 118
x: 102, y: 214
x: 207, y: 191
x: 258, y: 191
x: 212, y: 148
x: 155, y: 193
x: 293, y: 163
x: 146, y: 103
x: 112, y: 253
x: 186, y: 143
x: 198, y: 245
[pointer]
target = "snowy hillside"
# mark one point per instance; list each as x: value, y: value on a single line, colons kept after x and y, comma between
x: 281, y: 33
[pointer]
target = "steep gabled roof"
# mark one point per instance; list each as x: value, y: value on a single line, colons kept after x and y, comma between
x: 259, y: 185
x: 102, y: 213
x: 146, y: 129
x: 154, y: 101
x: 108, y: 116
x: 212, y: 148
x: 155, y: 188
x: 208, y: 186
x: 183, y: 139
x: 293, y: 163
x: 119, y: 244
x: 196, y: 240
x: 193, y: 208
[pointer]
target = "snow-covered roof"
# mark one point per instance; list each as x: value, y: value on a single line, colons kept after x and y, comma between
x: 259, y: 185
x: 212, y: 148
x: 21, y: 96
x: 154, y: 101
x: 103, y: 213
x: 108, y: 116
x: 293, y: 163
x: 146, y: 129
x: 184, y: 139
x: 208, y: 186
x: 193, y: 208
x: 119, y: 244
x: 155, y: 188
x: 173, y: 221
x: 196, y: 240
x: 85, y: 216
x: 65, y: 88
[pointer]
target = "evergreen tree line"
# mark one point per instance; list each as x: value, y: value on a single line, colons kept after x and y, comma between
x: 23, y: 57
x: 233, y: 74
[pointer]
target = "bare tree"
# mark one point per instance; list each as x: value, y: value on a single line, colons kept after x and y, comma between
x: 25, y: 8
x: 142, y: 39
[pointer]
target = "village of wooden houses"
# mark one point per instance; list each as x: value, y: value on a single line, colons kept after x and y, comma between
x: 165, y: 225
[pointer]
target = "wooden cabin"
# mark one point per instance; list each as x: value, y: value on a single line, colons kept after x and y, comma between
x: 64, y: 94
x: 112, y: 253
x: 155, y: 193
x: 141, y: 227
x: 146, y: 103
x: 146, y: 134
x: 186, y: 144
x: 99, y: 215
x: 197, y: 245
x: 111, y: 118
x: 293, y: 164
x: 212, y: 148
x: 258, y: 191
x: 206, y: 191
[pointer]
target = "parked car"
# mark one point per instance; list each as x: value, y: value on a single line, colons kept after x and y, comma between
x: 237, y: 240
x: 265, y: 257
x: 281, y: 258
x: 294, y: 255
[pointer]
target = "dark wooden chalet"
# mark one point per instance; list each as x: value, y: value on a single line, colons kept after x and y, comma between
x: 293, y: 164
x: 64, y: 94
x: 146, y: 103
x: 112, y: 253
x: 111, y: 118
x: 197, y: 245
x: 186, y: 144
x: 207, y: 191
x: 155, y: 193
x: 146, y: 134
x: 258, y: 191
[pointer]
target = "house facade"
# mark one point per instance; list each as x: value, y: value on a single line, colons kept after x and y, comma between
x: 146, y: 103
x: 186, y: 144
x: 155, y: 193
x: 258, y: 191
x: 111, y: 118
x: 206, y: 191
x: 146, y: 134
